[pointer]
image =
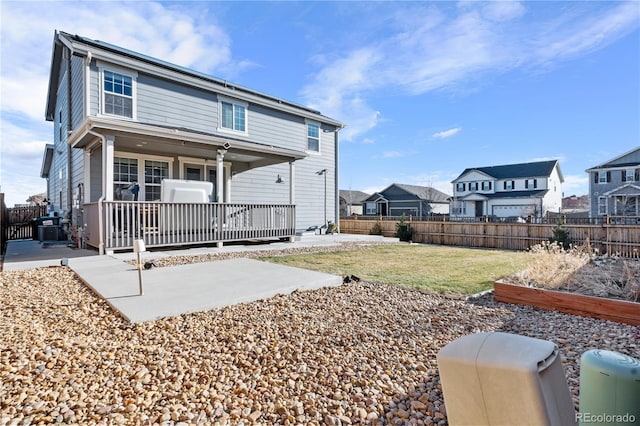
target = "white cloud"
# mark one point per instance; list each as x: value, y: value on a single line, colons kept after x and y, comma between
x: 166, y: 31
x: 446, y: 133
x: 425, y: 50
x: 391, y: 154
x: 575, y: 185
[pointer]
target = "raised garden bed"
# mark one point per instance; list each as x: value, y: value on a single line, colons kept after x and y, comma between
x: 577, y: 304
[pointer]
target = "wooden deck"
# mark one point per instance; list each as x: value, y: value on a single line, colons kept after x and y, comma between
x: 114, y: 225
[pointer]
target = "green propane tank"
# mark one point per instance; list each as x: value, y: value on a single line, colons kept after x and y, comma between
x: 609, y: 389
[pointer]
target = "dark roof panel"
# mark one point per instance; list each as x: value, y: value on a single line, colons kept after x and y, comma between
x: 522, y: 170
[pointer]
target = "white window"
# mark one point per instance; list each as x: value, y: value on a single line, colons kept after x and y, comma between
x: 460, y: 187
x: 125, y: 173
x: 602, y: 205
x: 509, y: 184
x: 233, y: 115
x: 313, y: 137
x: 154, y: 172
x: 370, y: 208
x: 147, y: 172
x: 486, y: 186
x: 118, y: 93
x: 604, y: 177
x: 629, y: 175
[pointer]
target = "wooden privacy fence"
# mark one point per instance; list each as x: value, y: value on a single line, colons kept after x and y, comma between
x: 623, y: 240
x: 16, y: 223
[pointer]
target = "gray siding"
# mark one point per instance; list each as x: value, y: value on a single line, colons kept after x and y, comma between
x: 170, y: 104
x: 258, y: 185
x: 77, y: 91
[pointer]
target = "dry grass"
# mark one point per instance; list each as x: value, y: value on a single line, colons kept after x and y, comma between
x: 579, y: 270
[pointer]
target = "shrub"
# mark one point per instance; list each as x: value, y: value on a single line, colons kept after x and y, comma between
x: 561, y: 236
x: 404, y: 232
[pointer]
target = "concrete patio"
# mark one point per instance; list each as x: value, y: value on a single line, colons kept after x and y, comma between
x: 170, y: 291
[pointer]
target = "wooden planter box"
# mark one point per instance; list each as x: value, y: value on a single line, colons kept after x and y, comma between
x: 570, y: 303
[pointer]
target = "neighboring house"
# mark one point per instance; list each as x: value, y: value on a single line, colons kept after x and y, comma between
x: 124, y: 123
x: 409, y: 200
x: 614, y: 186
x: 513, y: 190
x: 351, y: 202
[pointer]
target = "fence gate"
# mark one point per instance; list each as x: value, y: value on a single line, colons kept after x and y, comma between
x: 19, y: 221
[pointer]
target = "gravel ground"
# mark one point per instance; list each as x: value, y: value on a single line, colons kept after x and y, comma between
x: 361, y: 353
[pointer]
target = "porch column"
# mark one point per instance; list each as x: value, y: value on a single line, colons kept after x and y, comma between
x: 227, y: 187
x: 292, y: 183
x: 220, y: 176
x: 108, y: 148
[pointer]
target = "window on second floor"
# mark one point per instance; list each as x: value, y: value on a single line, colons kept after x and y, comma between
x: 531, y: 183
x: 117, y: 94
x: 486, y: 186
x: 313, y: 137
x: 509, y: 184
x: 233, y: 116
x: 460, y: 187
x: 602, y: 177
x: 631, y: 175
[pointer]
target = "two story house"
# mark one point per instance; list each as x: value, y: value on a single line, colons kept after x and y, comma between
x: 614, y: 186
x: 410, y: 200
x: 131, y: 132
x: 512, y: 190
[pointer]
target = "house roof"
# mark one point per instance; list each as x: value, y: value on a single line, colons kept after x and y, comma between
x: 614, y: 161
x: 47, y: 160
x: 426, y: 193
x: 516, y: 171
x: 84, y: 44
x: 353, y: 197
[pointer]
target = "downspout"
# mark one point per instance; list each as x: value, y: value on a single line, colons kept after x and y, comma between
x: 69, y: 129
x: 101, y: 199
x: 336, y: 191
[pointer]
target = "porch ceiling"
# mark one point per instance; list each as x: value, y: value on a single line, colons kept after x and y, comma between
x: 155, y: 140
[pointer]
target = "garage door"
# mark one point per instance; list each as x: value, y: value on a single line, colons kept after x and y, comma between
x: 507, y: 211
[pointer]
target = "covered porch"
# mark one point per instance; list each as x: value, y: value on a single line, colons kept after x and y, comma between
x: 120, y: 197
x: 623, y: 201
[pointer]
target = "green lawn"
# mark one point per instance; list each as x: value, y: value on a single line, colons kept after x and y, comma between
x: 438, y: 269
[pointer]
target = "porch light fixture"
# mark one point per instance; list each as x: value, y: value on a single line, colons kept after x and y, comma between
x: 279, y: 180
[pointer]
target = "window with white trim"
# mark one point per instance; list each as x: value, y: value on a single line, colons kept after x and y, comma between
x: 370, y: 208
x: 117, y: 96
x: 628, y: 175
x: 602, y: 205
x: 125, y: 173
x: 233, y: 115
x: 486, y: 185
x: 460, y: 187
x: 313, y: 137
x: 509, y: 184
x: 603, y: 177
x: 154, y: 172
x: 128, y: 170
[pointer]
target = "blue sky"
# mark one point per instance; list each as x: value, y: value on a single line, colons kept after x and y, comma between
x: 426, y: 89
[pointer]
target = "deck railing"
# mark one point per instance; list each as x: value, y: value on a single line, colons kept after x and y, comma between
x: 169, y: 224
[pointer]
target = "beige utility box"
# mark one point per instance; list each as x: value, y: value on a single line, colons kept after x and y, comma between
x: 504, y: 379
